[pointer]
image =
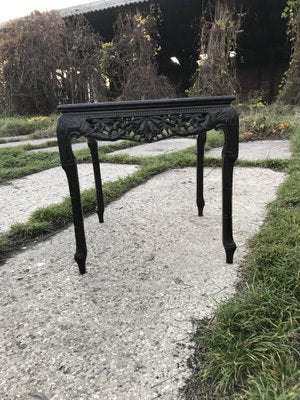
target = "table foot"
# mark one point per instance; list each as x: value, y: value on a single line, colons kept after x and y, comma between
x: 200, y: 211
x: 100, y: 217
x: 81, y: 263
x: 229, y: 254
x: 201, y: 139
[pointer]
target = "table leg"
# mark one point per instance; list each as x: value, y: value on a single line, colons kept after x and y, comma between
x: 68, y: 162
x: 229, y: 155
x: 93, y: 145
x: 201, y: 139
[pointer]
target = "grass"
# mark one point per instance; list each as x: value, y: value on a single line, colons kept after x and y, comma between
x: 36, y: 127
x: 17, y: 162
x: 49, y: 219
x: 14, y: 126
x: 46, y: 220
x: 261, y: 122
x: 250, y: 348
x: 257, y: 122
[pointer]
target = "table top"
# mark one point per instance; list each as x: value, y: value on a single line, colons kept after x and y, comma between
x: 164, y: 105
x: 146, y: 120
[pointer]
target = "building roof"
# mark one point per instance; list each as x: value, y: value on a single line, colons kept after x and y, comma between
x: 96, y: 6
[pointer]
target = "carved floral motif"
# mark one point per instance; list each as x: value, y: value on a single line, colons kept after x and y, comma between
x: 145, y: 128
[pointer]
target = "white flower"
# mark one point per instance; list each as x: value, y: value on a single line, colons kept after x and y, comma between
x: 203, y: 57
x: 232, y: 54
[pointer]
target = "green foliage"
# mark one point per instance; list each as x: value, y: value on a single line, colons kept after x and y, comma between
x: 255, y: 99
x: 38, y: 125
x: 261, y: 122
x: 16, y: 162
x: 15, y: 126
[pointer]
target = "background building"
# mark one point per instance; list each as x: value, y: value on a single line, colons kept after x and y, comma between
x: 263, y: 51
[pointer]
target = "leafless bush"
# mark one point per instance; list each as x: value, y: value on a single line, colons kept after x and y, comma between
x: 216, y: 72
x: 44, y: 61
x: 80, y: 75
x: 30, y: 51
x: 129, y: 61
x: 290, y: 91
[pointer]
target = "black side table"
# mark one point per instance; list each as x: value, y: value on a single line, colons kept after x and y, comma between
x: 148, y: 121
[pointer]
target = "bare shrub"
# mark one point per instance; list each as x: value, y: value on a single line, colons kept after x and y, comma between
x: 30, y: 52
x: 216, y: 73
x: 290, y: 91
x: 45, y: 60
x: 80, y: 75
x: 129, y: 61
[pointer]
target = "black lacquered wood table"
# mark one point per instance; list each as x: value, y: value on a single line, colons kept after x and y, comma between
x: 148, y: 121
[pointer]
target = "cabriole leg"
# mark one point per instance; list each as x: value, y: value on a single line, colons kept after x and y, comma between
x: 81, y: 250
x: 201, y: 139
x: 229, y: 155
x: 69, y: 165
x: 93, y: 145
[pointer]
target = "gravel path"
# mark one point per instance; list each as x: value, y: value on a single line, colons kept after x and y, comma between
x: 20, y: 197
x: 158, y: 148
x: 122, y: 331
x: 260, y: 150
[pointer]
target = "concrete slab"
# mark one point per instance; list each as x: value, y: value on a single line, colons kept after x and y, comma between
x: 122, y: 331
x: 259, y: 150
x: 23, y: 142
x: 75, y: 146
x: 158, y: 148
x: 14, y: 138
x: 20, y: 197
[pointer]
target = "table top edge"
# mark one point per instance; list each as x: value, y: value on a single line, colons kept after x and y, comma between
x: 217, y: 101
